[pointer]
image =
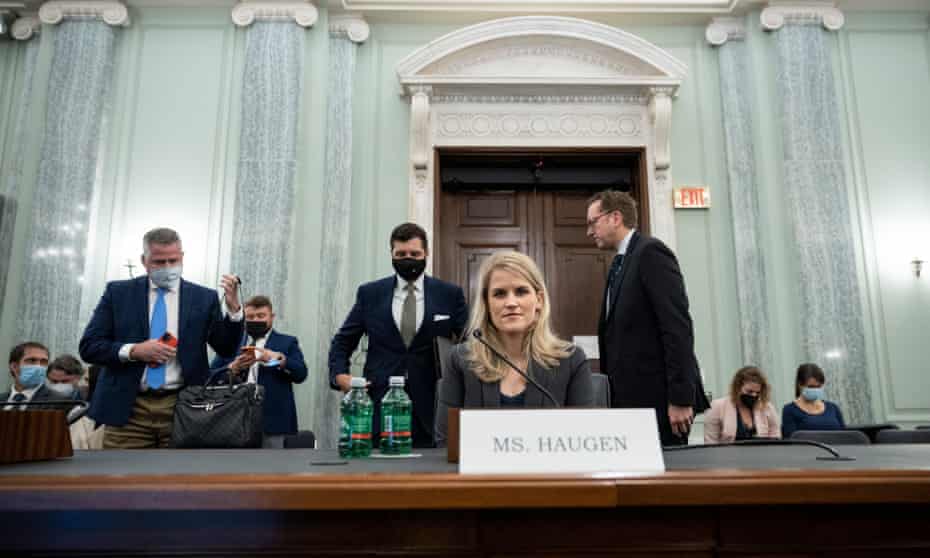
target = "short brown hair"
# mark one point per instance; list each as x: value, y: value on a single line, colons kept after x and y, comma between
x: 408, y: 231
x: 746, y: 375
x: 67, y: 364
x: 19, y: 351
x: 258, y: 301
x: 614, y: 200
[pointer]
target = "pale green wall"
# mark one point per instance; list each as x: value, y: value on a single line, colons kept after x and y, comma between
x: 174, y: 129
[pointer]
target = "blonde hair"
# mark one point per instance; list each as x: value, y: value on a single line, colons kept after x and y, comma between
x: 540, y: 344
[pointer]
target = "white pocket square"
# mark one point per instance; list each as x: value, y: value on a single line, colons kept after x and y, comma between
x: 440, y: 317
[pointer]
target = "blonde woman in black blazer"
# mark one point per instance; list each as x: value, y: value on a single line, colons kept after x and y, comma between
x: 512, y: 313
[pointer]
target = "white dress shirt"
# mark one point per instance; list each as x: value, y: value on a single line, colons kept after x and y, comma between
x: 253, y: 370
x: 400, y: 295
x: 29, y: 393
x: 173, y: 373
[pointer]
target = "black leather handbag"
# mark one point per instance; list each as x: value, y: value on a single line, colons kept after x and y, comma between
x: 219, y: 416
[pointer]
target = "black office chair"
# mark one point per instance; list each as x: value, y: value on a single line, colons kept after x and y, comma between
x: 923, y: 427
x: 872, y: 430
x: 904, y: 437
x: 601, y: 390
x: 832, y: 437
x: 304, y: 439
x: 442, y: 353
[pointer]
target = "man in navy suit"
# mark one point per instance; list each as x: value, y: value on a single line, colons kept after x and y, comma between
x: 150, y: 335
x: 276, y: 363
x: 645, y: 333
x: 401, y: 315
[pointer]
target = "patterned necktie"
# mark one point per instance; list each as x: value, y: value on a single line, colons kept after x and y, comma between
x: 408, y: 317
x: 155, y: 377
x: 613, y: 277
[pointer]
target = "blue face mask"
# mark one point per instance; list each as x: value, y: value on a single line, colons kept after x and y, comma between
x: 31, y: 375
x: 166, y: 277
x: 812, y: 393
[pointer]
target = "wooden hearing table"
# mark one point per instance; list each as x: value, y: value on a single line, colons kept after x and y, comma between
x: 760, y: 501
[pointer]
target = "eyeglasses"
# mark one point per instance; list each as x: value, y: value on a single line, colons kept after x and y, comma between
x: 592, y: 222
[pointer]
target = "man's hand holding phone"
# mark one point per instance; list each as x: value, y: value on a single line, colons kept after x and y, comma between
x: 155, y: 351
x: 244, y: 361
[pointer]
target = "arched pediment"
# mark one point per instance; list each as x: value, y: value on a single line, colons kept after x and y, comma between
x: 540, y: 50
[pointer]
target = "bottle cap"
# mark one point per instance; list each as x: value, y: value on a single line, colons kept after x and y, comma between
x: 397, y: 381
x: 358, y: 382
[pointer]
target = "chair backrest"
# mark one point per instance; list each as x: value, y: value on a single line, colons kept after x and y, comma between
x: 442, y: 349
x: 601, y: 390
x: 903, y: 437
x: 923, y: 427
x: 304, y: 439
x: 835, y: 437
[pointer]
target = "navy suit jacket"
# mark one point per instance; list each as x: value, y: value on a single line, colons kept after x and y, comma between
x: 646, y: 337
x: 122, y: 316
x: 279, y: 411
x: 445, y: 314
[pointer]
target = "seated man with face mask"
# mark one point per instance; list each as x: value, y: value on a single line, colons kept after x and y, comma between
x: 28, y: 365
x: 273, y: 361
x: 63, y: 377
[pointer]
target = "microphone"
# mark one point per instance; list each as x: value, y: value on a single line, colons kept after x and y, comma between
x: 477, y: 335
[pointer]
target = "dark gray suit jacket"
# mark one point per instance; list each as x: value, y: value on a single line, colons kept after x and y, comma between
x: 570, y: 384
x: 42, y: 394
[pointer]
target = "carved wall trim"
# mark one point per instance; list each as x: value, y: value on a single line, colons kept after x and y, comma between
x: 352, y: 26
x: 26, y: 27
x: 777, y: 14
x: 723, y: 29
x: 614, y: 90
x: 303, y: 12
x: 111, y: 13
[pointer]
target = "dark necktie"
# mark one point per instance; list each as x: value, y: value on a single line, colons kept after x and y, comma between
x: 408, y: 317
x: 613, y: 278
x: 19, y: 398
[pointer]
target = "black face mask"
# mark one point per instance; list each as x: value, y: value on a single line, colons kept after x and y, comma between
x: 256, y: 330
x: 409, y: 268
x: 748, y: 400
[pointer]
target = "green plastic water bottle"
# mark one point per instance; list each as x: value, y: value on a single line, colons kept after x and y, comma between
x: 355, y: 437
x: 395, y: 419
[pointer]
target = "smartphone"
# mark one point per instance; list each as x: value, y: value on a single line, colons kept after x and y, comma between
x: 247, y: 348
x: 168, y: 339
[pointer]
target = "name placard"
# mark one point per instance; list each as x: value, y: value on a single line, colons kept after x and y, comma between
x: 559, y: 441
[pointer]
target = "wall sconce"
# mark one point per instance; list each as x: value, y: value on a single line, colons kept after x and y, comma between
x: 918, y: 264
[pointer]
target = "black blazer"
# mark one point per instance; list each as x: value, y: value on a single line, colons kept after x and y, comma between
x: 570, y: 384
x: 646, y: 337
x: 445, y: 313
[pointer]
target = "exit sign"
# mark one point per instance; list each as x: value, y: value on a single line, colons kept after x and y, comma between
x: 692, y: 197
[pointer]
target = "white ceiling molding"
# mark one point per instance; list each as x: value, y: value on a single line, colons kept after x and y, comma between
x: 562, y: 50
x: 551, y: 6
x: 723, y: 29
x: 112, y: 13
x: 25, y: 27
x: 352, y: 26
x: 541, y: 81
x: 777, y: 14
x: 303, y: 12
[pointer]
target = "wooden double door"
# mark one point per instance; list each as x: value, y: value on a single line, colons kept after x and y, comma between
x: 549, y: 226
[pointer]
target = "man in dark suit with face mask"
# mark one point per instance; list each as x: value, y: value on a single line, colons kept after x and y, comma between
x: 401, y: 315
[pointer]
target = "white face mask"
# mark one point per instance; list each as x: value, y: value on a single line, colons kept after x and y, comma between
x: 61, y: 390
x: 166, y: 277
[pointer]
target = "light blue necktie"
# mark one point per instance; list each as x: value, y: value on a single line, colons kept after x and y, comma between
x: 155, y: 377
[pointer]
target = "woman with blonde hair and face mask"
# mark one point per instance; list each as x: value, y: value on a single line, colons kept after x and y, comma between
x: 512, y: 314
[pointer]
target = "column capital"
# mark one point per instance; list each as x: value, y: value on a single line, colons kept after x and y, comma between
x: 25, y: 27
x: 352, y: 26
x: 777, y: 14
x: 111, y: 13
x: 723, y: 29
x: 302, y: 12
